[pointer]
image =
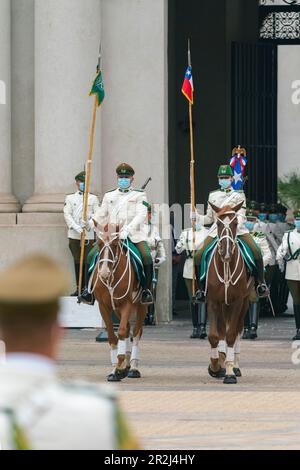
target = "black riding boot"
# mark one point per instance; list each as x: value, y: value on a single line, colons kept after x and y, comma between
x: 195, y: 320
x: 246, y: 334
x: 200, y: 294
x: 297, y: 320
x: 147, y: 297
x: 254, y: 315
x: 77, y: 268
x: 262, y: 288
x: 86, y: 297
x: 203, y: 320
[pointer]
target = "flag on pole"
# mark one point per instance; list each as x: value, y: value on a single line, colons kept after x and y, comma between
x: 188, y: 86
x: 238, y: 164
x: 98, y: 88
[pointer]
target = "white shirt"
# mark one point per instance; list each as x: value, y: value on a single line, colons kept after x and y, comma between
x: 221, y: 199
x: 53, y: 415
x: 128, y: 209
x: 73, y: 213
x: 185, y: 243
x: 291, y: 241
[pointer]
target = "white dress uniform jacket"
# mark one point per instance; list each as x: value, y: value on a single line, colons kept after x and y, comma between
x: 289, y: 247
x: 127, y: 209
x: 221, y: 199
x: 264, y: 227
x: 52, y: 416
x: 185, y: 243
x: 155, y: 243
x: 262, y: 242
x: 73, y: 213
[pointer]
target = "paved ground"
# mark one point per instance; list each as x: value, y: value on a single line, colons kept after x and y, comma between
x: 177, y: 406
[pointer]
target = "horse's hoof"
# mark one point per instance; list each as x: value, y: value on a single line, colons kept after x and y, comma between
x: 134, y: 374
x: 217, y: 375
x: 237, y: 372
x: 123, y: 373
x: 230, y: 380
x: 113, y: 378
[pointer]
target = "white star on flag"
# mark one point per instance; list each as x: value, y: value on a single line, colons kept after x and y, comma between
x: 237, y: 177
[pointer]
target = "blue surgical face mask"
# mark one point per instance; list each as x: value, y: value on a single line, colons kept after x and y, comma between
x: 225, y: 183
x: 273, y: 218
x: 124, y: 183
x: 297, y: 224
x: 81, y: 187
x: 262, y: 217
x: 250, y: 225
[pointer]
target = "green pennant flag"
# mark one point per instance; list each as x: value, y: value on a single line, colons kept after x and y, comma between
x: 98, y: 88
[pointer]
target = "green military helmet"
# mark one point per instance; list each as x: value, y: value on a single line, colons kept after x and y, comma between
x: 253, y: 205
x: 225, y: 170
x: 251, y: 214
x: 273, y: 208
x: 125, y: 170
x: 81, y: 177
x: 297, y: 214
x: 282, y: 209
x: 264, y: 208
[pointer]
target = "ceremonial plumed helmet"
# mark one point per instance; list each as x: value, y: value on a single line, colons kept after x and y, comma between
x: 225, y: 170
x: 36, y: 280
x: 125, y: 170
x: 81, y: 177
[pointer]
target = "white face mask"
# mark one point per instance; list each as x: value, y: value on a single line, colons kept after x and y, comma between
x: 225, y: 183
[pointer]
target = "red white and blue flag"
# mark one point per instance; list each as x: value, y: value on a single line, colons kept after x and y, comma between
x: 188, y: 86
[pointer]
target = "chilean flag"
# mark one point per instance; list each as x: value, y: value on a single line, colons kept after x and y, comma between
x: 188, y: 86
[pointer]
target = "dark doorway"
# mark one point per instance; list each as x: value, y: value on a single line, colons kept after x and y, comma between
x: 212, y: 26
x: 254, y: 115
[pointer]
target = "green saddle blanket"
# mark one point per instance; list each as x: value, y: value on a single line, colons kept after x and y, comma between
x: 135, y: 258
x: 245, y: 250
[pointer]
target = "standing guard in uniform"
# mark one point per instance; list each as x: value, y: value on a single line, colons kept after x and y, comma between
x: 263, y: 226
x: 252, y: 317
x: 226, y: 196
x: 289, y: 253
x: 127, y: 208
x: 37, y: 410
x: 158, y: 254
x: 73, y: 213
x: 186, y: 243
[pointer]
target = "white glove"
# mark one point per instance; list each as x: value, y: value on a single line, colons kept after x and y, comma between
x: 194, y: 216
x: 159, y: 261
x: 281, y: 266
x: 77, y: 228
x: 124, y: 234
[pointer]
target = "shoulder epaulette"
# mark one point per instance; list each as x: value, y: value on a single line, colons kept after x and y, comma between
x: 139, y: 190
x: 216, y: 191
x: 111, y: 191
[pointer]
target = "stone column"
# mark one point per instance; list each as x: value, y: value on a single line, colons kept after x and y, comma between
x: 67, y: 35
x: 8, y: 203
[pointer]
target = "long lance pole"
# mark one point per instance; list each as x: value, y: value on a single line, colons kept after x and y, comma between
x: 192, y: 168
x: 87, y: 186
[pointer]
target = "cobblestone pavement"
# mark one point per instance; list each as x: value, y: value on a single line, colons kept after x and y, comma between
x: 176, y: 405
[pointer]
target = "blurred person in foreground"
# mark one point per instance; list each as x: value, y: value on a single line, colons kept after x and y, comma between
x: 37, y: 411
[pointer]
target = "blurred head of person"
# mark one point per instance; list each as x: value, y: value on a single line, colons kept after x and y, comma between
x: 29, y: 306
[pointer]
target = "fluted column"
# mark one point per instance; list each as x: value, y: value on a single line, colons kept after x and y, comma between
x: 8, y: 203
x: 67, y: 34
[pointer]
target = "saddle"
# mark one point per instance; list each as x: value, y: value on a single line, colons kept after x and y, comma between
x: 245, y: 251
x: 135, y: 257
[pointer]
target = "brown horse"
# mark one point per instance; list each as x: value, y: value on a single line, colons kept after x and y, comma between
x: 228, y: 290
x: 115, y: 286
